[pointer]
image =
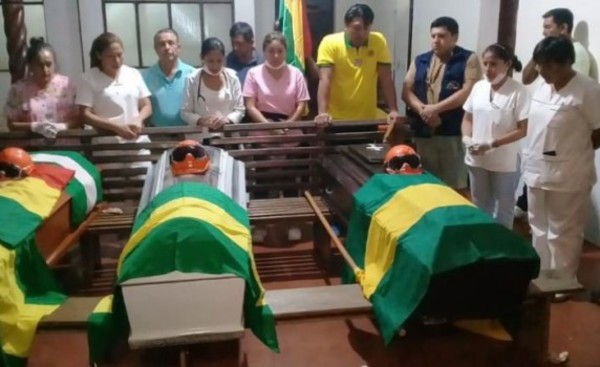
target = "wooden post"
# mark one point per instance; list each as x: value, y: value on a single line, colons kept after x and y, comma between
x: 16, y: 37
x: 507, y: 25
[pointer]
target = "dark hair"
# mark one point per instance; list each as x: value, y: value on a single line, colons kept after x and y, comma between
x: 101, y: 43
x: 506, y: 54
x: 446, y: 22
x: 211, y: 44
x: 558, y: 50
x: 166, y: 30
x: 274, y: 36
x: 37, y: 44
x: 361, y: 11
x: 561, y: 16
x: 242, y: 29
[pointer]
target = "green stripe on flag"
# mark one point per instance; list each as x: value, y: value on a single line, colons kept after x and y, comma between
x: 292, y: 27
x: 17, y: 223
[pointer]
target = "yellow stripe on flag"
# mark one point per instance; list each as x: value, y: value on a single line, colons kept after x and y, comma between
x: 105, y: 305
x: 205, y: 211
x: 395, y: 218
x: 32, y: 193
x: 18, y: 321
x: 295, y: 8
x: 491, y: 328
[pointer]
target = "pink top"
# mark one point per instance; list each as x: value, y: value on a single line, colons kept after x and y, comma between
x: 26, y: 102
x: 276, y: 95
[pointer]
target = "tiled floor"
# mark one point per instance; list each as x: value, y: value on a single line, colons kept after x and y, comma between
x: 575, y: 327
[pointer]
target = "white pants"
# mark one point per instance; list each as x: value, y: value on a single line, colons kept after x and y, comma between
x: 557, y: 222
x: 494, y: 193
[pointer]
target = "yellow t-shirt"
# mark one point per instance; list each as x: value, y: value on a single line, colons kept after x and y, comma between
x: 353, y: 93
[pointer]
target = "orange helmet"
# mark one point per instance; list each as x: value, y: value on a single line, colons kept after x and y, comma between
x: 15, y: 163
x: 402, y: 159
x: 189, y: 157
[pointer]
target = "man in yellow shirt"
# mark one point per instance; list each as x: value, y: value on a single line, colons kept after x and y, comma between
x: 350, y: 63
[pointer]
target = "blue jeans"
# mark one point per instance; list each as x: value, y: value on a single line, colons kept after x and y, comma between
x: 494, y: 193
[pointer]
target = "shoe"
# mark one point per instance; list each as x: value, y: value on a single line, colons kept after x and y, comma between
x: 433, y: 321
x: 259, y: 235
x: 294, y: 234
x: 560, y: 297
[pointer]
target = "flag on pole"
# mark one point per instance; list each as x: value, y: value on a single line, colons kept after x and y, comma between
x: 293, y: 20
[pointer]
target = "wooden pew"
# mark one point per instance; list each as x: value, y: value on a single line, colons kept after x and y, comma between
x: 122, y: 186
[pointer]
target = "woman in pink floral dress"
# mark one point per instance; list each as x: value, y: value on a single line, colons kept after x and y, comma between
x: 43, y: 101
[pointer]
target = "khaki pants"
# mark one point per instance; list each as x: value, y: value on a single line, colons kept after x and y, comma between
x: 444, y: 157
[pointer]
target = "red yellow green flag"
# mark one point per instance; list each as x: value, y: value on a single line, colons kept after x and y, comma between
x: 294, y: 24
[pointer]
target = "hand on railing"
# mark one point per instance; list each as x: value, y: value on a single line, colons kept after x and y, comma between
x: 323, y: 119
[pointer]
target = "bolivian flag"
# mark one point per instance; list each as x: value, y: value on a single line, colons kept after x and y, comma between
x: 407, y: 229
x: 27, y: 289
x: 85, y: 189
x: 296, y: 29
x: 191, y: 228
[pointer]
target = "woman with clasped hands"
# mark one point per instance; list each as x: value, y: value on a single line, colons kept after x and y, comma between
x: 113, y: 96
x: 44, y: 101
x: 213, y: 94
x: 495, y: 120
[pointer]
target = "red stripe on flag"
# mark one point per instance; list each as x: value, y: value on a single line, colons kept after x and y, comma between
x: 54, y: 176
x: 308, y: 44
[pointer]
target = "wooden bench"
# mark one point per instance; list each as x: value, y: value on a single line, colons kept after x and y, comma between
x: 122, y: 186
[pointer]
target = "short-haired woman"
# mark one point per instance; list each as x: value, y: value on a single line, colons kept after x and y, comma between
x: 559, y: 170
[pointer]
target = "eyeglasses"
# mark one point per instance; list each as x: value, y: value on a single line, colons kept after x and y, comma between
x: 397, y: 162
x: 178, y: 154
x: 11, y: 171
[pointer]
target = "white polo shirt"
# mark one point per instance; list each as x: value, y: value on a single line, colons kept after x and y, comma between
x: 114, y: 99
x: 495, y: 114
x: 559, y: 155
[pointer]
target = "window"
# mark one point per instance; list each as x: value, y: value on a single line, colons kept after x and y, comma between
x: 34, y: 23
x: 135, y: 22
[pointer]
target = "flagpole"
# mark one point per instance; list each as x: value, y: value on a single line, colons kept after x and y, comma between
x: 331, y: 233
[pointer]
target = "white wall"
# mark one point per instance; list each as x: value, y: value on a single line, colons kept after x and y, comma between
x: 91, y: 26
x: 477, y: 20
x: 587, y: 31
x: 265, y: 19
